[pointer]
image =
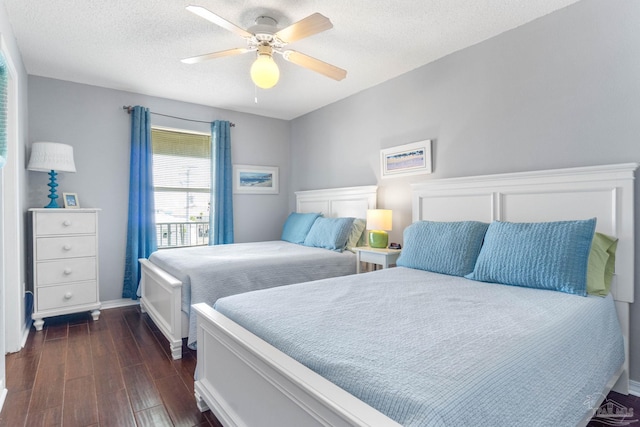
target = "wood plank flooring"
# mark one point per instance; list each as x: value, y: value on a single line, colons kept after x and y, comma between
x: 113, y: 372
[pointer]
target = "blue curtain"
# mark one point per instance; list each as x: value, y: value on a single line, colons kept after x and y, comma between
x: 221, y: 215
x: 141, y: 231
x: 3, y: 111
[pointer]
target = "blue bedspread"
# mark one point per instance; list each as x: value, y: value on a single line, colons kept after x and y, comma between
x: 211, y: 272
x: 434, y: 350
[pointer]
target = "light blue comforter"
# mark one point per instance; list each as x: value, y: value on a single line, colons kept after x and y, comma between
x: 434, y: 350
x: 211, y: 272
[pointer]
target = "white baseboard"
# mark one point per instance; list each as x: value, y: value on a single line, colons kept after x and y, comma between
x: 25, y: 334
x: 3, y: 393
x: 23, y: 341
x: 634, y: 388
x: 115, y: 303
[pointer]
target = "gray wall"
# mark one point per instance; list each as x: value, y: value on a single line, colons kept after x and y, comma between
x: 92, y: 120
x: 562, y: 91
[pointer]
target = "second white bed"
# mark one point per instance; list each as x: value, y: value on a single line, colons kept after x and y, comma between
x: 208, y: 273
x: 167, y: 287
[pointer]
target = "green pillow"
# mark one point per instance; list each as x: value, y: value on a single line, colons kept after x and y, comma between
x: 355, y: 234
x: 602, y: 260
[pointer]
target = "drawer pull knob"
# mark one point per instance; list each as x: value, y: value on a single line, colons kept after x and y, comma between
x: 66, y: 223
x: 67, y: 247
x: 67, y: 271
x: 68, y: 295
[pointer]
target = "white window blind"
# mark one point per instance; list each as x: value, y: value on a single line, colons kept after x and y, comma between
x: 182, y: 183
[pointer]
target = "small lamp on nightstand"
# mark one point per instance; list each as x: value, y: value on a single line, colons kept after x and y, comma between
x: 51, y: 157
x: 378, y: 223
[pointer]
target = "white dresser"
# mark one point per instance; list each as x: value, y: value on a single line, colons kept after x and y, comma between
x: 65, y: 263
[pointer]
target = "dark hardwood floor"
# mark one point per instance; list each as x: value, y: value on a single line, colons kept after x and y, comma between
x: 113, y: 372
x: 117, y: 372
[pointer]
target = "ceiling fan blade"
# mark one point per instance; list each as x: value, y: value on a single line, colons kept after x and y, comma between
x: 222, y: 53
x: 306, y: 27
x: 314, y: 64
x: 212, y: 17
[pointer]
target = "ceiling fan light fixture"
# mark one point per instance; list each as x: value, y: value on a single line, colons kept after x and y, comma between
x: 264, y: 71
x: 267, y: 39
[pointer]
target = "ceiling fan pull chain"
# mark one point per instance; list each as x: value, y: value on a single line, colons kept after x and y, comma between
x: 255, y: 94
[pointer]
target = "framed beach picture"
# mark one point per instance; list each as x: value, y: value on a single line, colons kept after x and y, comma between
x: 408, y: 159
x: 255, y: 179
x: 70, y: 200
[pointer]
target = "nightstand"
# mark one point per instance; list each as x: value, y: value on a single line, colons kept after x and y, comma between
x: 383, y: 257
x: 65, y: 263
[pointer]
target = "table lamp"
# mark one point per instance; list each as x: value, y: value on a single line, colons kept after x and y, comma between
x: 378, y: 223
x: 51, y: 157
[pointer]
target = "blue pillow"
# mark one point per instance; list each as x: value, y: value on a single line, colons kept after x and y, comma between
x: 442, y: 247
x: 297, y: 226
x: 329, y: 233
x: 543, y: 255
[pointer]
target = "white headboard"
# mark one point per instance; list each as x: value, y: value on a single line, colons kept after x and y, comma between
x: 338, y: 202
x: 604, y: 192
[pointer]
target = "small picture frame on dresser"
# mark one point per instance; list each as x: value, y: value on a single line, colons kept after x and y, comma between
x: 71, y: 200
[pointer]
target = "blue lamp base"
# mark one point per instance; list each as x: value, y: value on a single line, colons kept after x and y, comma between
x: 378, y: 239
x: 52, y: 190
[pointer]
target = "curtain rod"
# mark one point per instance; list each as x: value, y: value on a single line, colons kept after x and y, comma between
x: 129, y: 109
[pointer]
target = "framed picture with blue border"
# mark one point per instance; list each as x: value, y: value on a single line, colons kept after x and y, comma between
x: 249, y: 179
x: 407, y: 159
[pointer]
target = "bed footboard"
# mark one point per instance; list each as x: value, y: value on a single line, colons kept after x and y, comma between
x: 246, y: 382
x: 161, y: 298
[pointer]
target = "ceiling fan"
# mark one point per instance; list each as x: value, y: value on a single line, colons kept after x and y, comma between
x: 266, y: 39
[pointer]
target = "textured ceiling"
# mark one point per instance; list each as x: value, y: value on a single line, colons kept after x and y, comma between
x: 136, y: 45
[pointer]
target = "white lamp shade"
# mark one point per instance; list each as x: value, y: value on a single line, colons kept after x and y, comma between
x: 379, y: 219
x: 264, y: 72
x: 48, y: 156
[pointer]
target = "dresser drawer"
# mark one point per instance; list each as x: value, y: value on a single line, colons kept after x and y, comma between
x: 53, y: 297
x: 64, y: 271
x: 47, y: 224
x: 65, y: 247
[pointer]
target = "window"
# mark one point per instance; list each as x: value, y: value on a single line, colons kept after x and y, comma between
x: 182, y: 183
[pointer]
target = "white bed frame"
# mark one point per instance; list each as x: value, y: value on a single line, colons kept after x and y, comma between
x: 604, y: 192
x: 247, y: 382
x: 161, y: 293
